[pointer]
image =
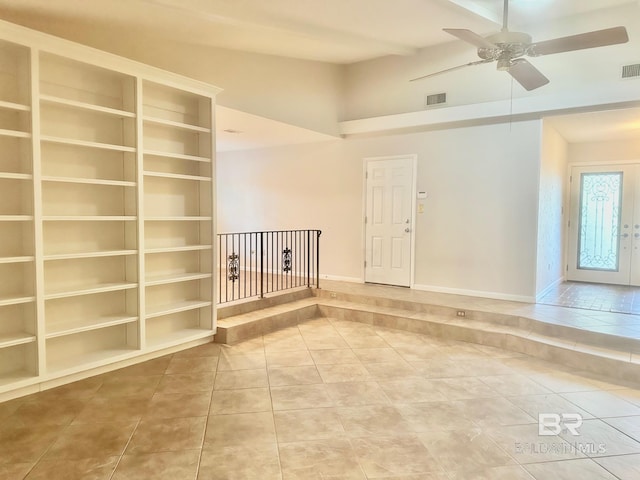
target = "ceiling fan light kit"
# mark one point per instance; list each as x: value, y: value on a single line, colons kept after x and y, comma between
x: 508, y: 49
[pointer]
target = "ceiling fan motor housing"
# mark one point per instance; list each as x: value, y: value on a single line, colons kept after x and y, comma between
x: 508, y: 45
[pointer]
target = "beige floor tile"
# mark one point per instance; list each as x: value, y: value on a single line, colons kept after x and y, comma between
x: 411, y: 390
x: 343, y: 372
x: 192, y: 365
x: 390, y: 370
x: 308, y: 424
x: 357, y: 393
x: 126, y: 386
x: 186, y: 383
x: 303, y: 375
x: 569, y: 470
x: 625, y: 467
x: 101, y: 409
x: 437, y: 367
x: 495, y: 411
x: 526, y: 446
x: 598, y: 439
x: 469, y: 449
x: 372, y: 420
x: 333, y: 341
x: 294, y: 358
x: 376, y: 355
x: 485, y: 366
x: 425, y: 417
x: 242, y: 361
x: 398, y: 455
x: 78, y: 442
x: 169, y: 435
x: 81, y: 389
x: 514, y: 385
x: 179, y: 465
x: 240, y: 429
x: 602, y: 404
x: 9, y: 407
x: 44, y: 412
x: 300, y: 396
x: 365, y: 341
x: 12, y: 471
x: 534, y: 405
x: 511, y: 472
x: 246, y: 400
x: 176, y: 405
x: 398, y: 338
x: 628, y: 425
x: 20, y: 444
x: 157, y: 366
x: 85, y: 469
x: 253, y: 345
x: 206, y: 350
x: 240, y: 462
x: 461, y: 388
x: 236, y: 379
x: 334, y: 356
x: 418, y: 353
x: 564, y: 382
x: 319, y: 459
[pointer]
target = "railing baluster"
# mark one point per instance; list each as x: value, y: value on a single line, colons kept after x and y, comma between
x: 281, y: 258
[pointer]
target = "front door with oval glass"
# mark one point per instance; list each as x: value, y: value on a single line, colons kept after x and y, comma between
x: 604, y: 228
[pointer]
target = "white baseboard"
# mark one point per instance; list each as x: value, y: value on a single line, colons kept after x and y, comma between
x: 550, y: 287
x: 338, y: 278
x: 476, y: 293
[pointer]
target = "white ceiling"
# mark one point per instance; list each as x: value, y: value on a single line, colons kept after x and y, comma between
x: 336, y: 31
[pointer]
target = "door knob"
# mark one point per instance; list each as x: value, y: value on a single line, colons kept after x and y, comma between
x: 407, y: 229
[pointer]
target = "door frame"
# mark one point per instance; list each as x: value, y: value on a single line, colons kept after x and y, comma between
x: 568, y: 205
x: 413, y: 157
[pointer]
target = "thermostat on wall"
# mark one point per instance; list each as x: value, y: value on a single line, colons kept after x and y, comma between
x: 422, y: 194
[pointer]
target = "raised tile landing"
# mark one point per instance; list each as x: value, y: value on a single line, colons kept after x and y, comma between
x: 601, y: 342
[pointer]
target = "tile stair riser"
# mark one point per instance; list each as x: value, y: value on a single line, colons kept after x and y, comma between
x: 226, y: 311
x: 518, y: 334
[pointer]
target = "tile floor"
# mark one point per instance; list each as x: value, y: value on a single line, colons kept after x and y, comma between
x: 371, y: 403
x: 595, y: 296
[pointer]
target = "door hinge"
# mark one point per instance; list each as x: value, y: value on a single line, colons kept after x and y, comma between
x: 366, y: 175
x: 567, y: 269
x: 365, y: 220
x: 365, y: 264
x: 570, y: 178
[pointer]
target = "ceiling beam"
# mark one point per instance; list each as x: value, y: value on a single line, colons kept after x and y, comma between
x: 477, y: 9
x: 264, y: 21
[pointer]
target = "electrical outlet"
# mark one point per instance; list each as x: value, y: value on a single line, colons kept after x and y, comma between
x: 461, y: 313
x: 333, y: 295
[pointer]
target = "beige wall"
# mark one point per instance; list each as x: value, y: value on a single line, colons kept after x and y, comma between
x: 477, y: 235
x: 605, y: 152
x: 551, y: 218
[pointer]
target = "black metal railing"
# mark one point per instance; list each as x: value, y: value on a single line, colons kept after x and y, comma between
x: 253, y: 264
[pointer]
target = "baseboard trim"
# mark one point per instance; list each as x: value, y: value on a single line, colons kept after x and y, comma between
x: 548, y: 288
x: 475, y: 293
x: 338, y: 278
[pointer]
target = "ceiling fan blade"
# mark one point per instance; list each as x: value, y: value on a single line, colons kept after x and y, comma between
x: 598, y: 38
x: 527, y: 75
x: 479, y: 62
x: 470, y: 37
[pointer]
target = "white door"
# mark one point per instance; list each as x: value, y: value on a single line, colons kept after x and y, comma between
x: 604, y: 228
x: 388, y: 220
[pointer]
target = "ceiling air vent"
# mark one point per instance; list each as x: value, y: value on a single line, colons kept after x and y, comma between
x: 436, y: 99
x: 631, y: 71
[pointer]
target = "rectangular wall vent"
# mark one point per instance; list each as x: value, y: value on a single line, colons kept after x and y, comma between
x: 631, y: 71
x: 436, y: 99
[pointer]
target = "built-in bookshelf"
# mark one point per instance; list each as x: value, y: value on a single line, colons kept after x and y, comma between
x: 106, y: 209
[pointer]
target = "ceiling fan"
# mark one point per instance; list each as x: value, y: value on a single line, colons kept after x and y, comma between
x: 507, y: 48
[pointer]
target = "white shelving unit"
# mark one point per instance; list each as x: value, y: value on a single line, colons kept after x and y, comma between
x: 106, y: 210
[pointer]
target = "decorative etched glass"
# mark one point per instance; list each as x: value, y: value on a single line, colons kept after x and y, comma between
x: 600, y: 202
